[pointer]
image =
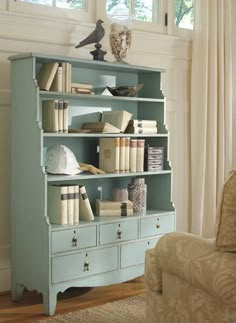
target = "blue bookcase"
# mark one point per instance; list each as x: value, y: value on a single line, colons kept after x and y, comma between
x: 108, y: 250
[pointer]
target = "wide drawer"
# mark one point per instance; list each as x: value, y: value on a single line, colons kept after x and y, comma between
x: 73, y: 239
x: 119, y: 231
x: 133, y: 254
x: 84, y: 264
x: 152, y: 226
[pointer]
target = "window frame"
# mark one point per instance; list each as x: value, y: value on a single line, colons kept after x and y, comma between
x: 52, y: 12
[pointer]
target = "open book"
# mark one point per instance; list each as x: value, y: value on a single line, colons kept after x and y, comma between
x: 103, y: 127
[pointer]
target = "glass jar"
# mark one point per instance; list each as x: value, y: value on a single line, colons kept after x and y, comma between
x: 121, y: 24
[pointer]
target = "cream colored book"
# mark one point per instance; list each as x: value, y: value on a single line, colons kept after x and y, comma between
x: 46, y: 75
x: 122, y: 155
x: 127, y: 153
x: 112, y: 205
x: 100, y: 127
x: 133, y: 155
x: 57, y: 82
x: 140, y: 130
x: 140, y: 155
x: 70, y: 204
x: 109, y: 154
x: 76, y: 204
x: 60, y: 116
x: 142, y: 123
x: 50, y: 116
x: 57, y: 204
x: 85, y: 210
x: 65, y: 116
x: 118, y: 118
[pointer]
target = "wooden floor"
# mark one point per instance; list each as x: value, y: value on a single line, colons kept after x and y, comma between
x: 30, y: 308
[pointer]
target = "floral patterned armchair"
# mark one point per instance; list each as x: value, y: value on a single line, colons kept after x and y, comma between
x: 191, y: 279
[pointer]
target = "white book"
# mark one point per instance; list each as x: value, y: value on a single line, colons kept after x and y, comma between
x: 57, y: 204
x: 60, y: 116
x: 122, y: 155
x: 140, y: 155
x: 127, y: 153
x: 119, y: 119
x: 46, y: 75
x: 50, y: 116
x: 142, y: 123
x: 85, y: 210
x: 76, y: 204
x: 65, y: 116
x: 133, y: 154
x: 70, y: 204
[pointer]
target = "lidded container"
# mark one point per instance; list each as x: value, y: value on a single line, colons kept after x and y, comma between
x: 121, y: 24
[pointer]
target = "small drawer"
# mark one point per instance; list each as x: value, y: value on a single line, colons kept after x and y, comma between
x: 133, y: 254
x: 119, y: 231
x: 73, y: 239
x: 152, y: 226
x: 84, y: 264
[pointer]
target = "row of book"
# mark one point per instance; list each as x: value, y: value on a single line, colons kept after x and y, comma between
x: 68, y: 204
x: 55, y: 116
x: 121, y: 154
x: 55, y: 76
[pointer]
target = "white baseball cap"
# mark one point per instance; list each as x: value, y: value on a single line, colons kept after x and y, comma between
x: 61, y: 160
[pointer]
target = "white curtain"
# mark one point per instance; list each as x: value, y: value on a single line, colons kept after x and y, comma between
x: 211, y: 111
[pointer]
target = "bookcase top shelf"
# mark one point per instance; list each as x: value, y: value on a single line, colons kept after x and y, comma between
x: 76, y: 62
x: 82, y: 176
x: 46, y: 95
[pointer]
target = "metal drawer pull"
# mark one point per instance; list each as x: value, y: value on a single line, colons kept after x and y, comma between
x: 158, y: 225
x: 119, y: 234
x: 86, y: 266
x: 74, y: 242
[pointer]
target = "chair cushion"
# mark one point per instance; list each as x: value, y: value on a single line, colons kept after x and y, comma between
x: 226, y: 228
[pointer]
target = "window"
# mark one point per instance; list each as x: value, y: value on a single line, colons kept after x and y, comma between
x: 56, y: 9
x: 68, y: 4
x: 184, y: 13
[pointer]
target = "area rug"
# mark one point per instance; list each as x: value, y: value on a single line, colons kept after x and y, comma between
x: 128, y: 310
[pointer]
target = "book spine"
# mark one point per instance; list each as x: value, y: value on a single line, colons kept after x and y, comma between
x: 142, y: 123
x: 60, y: 116
x: 85, y: 210
x: 76, y: 204
x: 127, y: 153
x: 140, y: 155
x: 117, y: 155
x: 133, y: 154
x: 112, y: 205
x: 55, y: 116
x: 123, y: 211
x: 122, y: 155
x: 65, y: 116
x: 70, y: 205
x: 64, y: 202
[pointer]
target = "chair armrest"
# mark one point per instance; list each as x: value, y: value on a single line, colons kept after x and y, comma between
x: 197, y: 261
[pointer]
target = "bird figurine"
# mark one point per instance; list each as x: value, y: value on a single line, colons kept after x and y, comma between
x: 96, y: 35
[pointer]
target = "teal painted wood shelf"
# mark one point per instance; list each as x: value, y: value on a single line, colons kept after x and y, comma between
x: 44, y: 256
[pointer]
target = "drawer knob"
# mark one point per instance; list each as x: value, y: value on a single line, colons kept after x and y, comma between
x: 74, y: 241
x: 119, y: 232
x: 158, y: 225
x: 86, y: 266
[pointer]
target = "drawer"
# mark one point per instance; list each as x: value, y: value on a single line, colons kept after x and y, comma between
x: 119, y: 231
x: 84, y: 264
x: 152, y: 226
x: 73, y: 239
x: 133, y: 254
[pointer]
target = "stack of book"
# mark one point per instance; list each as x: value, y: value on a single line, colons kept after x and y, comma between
x: 55, y: 116
x: 67, y: 204
x: 121, y: 154
x: 114, y: 208
x: 55, y: 76
x: 141, y: 126
x: 81, y: 88
x: 153, y: 159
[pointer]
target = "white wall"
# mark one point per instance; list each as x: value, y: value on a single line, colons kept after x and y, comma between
x: 24, y: 33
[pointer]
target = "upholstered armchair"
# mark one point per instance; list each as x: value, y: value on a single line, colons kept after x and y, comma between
x: 189, y: 279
